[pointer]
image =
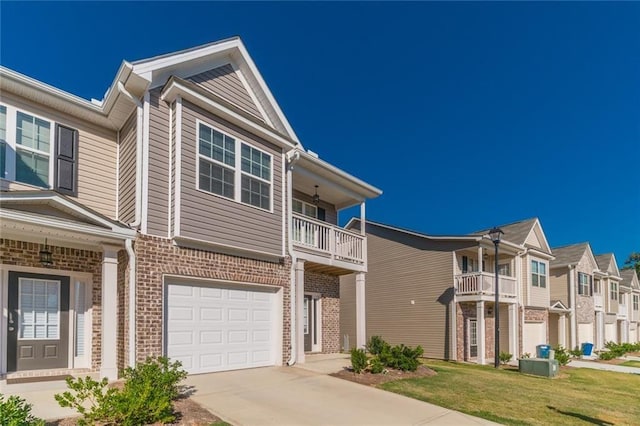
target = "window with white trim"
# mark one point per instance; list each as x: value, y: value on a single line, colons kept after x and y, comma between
x: 39, y: 304
x: 233, y: 169
x: 33, y: 149
x: 636, y: 300
x: 613, y: 291
x: 584, y: 284
x: 303, y: 208
x: 3, y: 141
x: 538, y: 274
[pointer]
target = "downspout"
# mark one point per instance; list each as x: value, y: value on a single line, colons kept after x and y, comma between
x: 572, y: 300
x: 132, y: 301
x: 139, y: 125
x: 292, y: 158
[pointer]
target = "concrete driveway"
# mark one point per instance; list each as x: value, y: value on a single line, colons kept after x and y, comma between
x: 297, y: 396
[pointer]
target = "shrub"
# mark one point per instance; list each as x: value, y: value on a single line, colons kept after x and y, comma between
x: 505, y: 357
x: 15, y: 411
x: 401, y: 357
x: 358, y: 360
x: 576, y: 352
x: 376, y: 345
x: 376, y: 366
x: 607, y: 355
x: 562, y: 355
x: 146, y: 397
x: 525, y: 355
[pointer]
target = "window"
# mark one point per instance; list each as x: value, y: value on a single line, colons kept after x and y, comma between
x: 596, y: 287
x: 584, y: 284
x: 243, y: 176
x: 636, y: 299
x: 37, y: 151
x: 39, y: 303
x: 504, y: 269
x: 304, y: 208
x: 613, y: 291
x: 538, y: 274
x: 473, y: 338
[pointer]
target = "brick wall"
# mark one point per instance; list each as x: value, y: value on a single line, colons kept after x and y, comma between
x: 585, y: 310
x: 465, y: 311
x: 329, y: 288
x: 21, y: 253
x: 157, y: 257
x: 123, y: 312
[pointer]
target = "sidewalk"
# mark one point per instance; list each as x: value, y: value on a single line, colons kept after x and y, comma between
x: 604, y: 367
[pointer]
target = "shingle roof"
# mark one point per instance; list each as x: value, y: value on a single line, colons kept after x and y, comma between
x: 567, y: 255
x: 516, y: 232
x: 603, y: 261
x: 627, y: 276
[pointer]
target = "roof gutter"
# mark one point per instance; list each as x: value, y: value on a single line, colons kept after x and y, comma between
x: 139, y: 126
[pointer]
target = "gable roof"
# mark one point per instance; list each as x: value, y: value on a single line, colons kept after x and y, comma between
x: 519, y: 232
x: 197, y: 59
x: 572, y: 254
x: 630, y: 278
x: 607, y: 263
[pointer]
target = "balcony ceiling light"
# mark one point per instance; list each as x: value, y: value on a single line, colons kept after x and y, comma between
x: 316, y: 197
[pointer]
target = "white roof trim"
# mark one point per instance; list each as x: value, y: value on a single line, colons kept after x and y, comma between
x: 544, y: 238
x: 175, y: 88
x: 228, y: 46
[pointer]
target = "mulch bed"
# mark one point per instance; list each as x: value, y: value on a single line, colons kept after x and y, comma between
x: 189, y: 413
x: 377, y: 379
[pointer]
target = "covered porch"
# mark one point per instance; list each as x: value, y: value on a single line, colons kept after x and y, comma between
x: 62, y: 277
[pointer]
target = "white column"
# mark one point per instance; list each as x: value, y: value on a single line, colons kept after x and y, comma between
x: 361, y: 319
x: 573, y: 334
x: 480, y: 261
x: 363, y: 219
x: 453, y: 331
x: 300, y: 311
x: 562, y: 330
x: 109, y: 355
x: 481, y: 331
x: 513, y: 325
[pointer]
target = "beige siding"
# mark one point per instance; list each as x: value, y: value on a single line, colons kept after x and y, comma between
x: 409, y: 288
x: 526, y: 279
x: 613, y: 304
x: 347, y: 310
x: 559, y: 280
x: 219, y: 220
x: 223, y: 81
x: 96, y: 156
x: 158, y: 201
x: 330, y: 209
x: 127, y: 170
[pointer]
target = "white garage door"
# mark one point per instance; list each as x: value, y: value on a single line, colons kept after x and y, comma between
x: 218, y: 328
x: 585, y: 333
x: 534, y: 334
x: 610, y: 333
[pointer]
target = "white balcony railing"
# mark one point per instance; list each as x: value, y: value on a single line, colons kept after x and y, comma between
x: 483, y: 283
x: 330, y: 240
x: 598, y: 301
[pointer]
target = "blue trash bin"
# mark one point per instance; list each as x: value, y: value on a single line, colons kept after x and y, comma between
x: 587, y: 348
x: 542, y: 351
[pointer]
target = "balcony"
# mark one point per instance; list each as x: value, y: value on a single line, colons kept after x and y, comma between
x: 481, y: 286
x: 598, y: 301
x: 622, y: 311
x: 328, y: 244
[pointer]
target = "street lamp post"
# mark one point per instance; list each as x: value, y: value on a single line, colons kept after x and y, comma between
x: 495, y: 234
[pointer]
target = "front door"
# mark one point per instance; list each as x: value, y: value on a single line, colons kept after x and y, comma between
x: 38, y: 322
x: 311, y: 323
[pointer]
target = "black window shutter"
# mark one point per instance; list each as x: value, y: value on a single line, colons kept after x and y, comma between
x: 465, y: 264
x: 590, y: 285
x: 66, y: 165
x: 322, y: 214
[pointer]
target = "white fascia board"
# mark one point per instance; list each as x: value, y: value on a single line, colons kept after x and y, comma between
x: 367, y: 191
x: 538, y: 253
x: 176, y: 89
x: 72, y: 206
x: 51, y: 222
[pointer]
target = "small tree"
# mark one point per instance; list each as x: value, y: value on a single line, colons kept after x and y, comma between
x: 633, y: 262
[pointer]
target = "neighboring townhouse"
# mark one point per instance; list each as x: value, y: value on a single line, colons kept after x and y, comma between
x: 577, y: 295
x: 438, y: 291
x: 616, y: 327
x: 178, y: 216
x: 630, y: 279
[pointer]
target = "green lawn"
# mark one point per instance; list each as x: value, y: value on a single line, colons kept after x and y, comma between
x: 631, y: 364
x: 578, y: 396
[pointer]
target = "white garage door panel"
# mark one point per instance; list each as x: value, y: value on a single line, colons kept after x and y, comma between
x: 215, y: 329
x: 585, y: 333
x: 534, y: 334
x: 610, y: 333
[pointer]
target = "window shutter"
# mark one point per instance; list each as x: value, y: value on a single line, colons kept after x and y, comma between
x: 322, y: 214
x: 66, y: 164
x: 590, y: 285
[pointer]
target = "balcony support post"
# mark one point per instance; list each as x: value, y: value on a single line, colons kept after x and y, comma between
x: 361, y: 331
x: 299, y: 303
x: 513, y: 325
x: 480, y: 331
x: 480, y: 268
x: 562, y: 330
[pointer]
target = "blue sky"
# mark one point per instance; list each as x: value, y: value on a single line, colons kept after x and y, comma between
x: 467, y: 115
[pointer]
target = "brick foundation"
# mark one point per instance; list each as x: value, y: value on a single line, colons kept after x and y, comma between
x: 157, y: 257
x: 329, y: 288
x: 21, y: 253
x: 468, y: 310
